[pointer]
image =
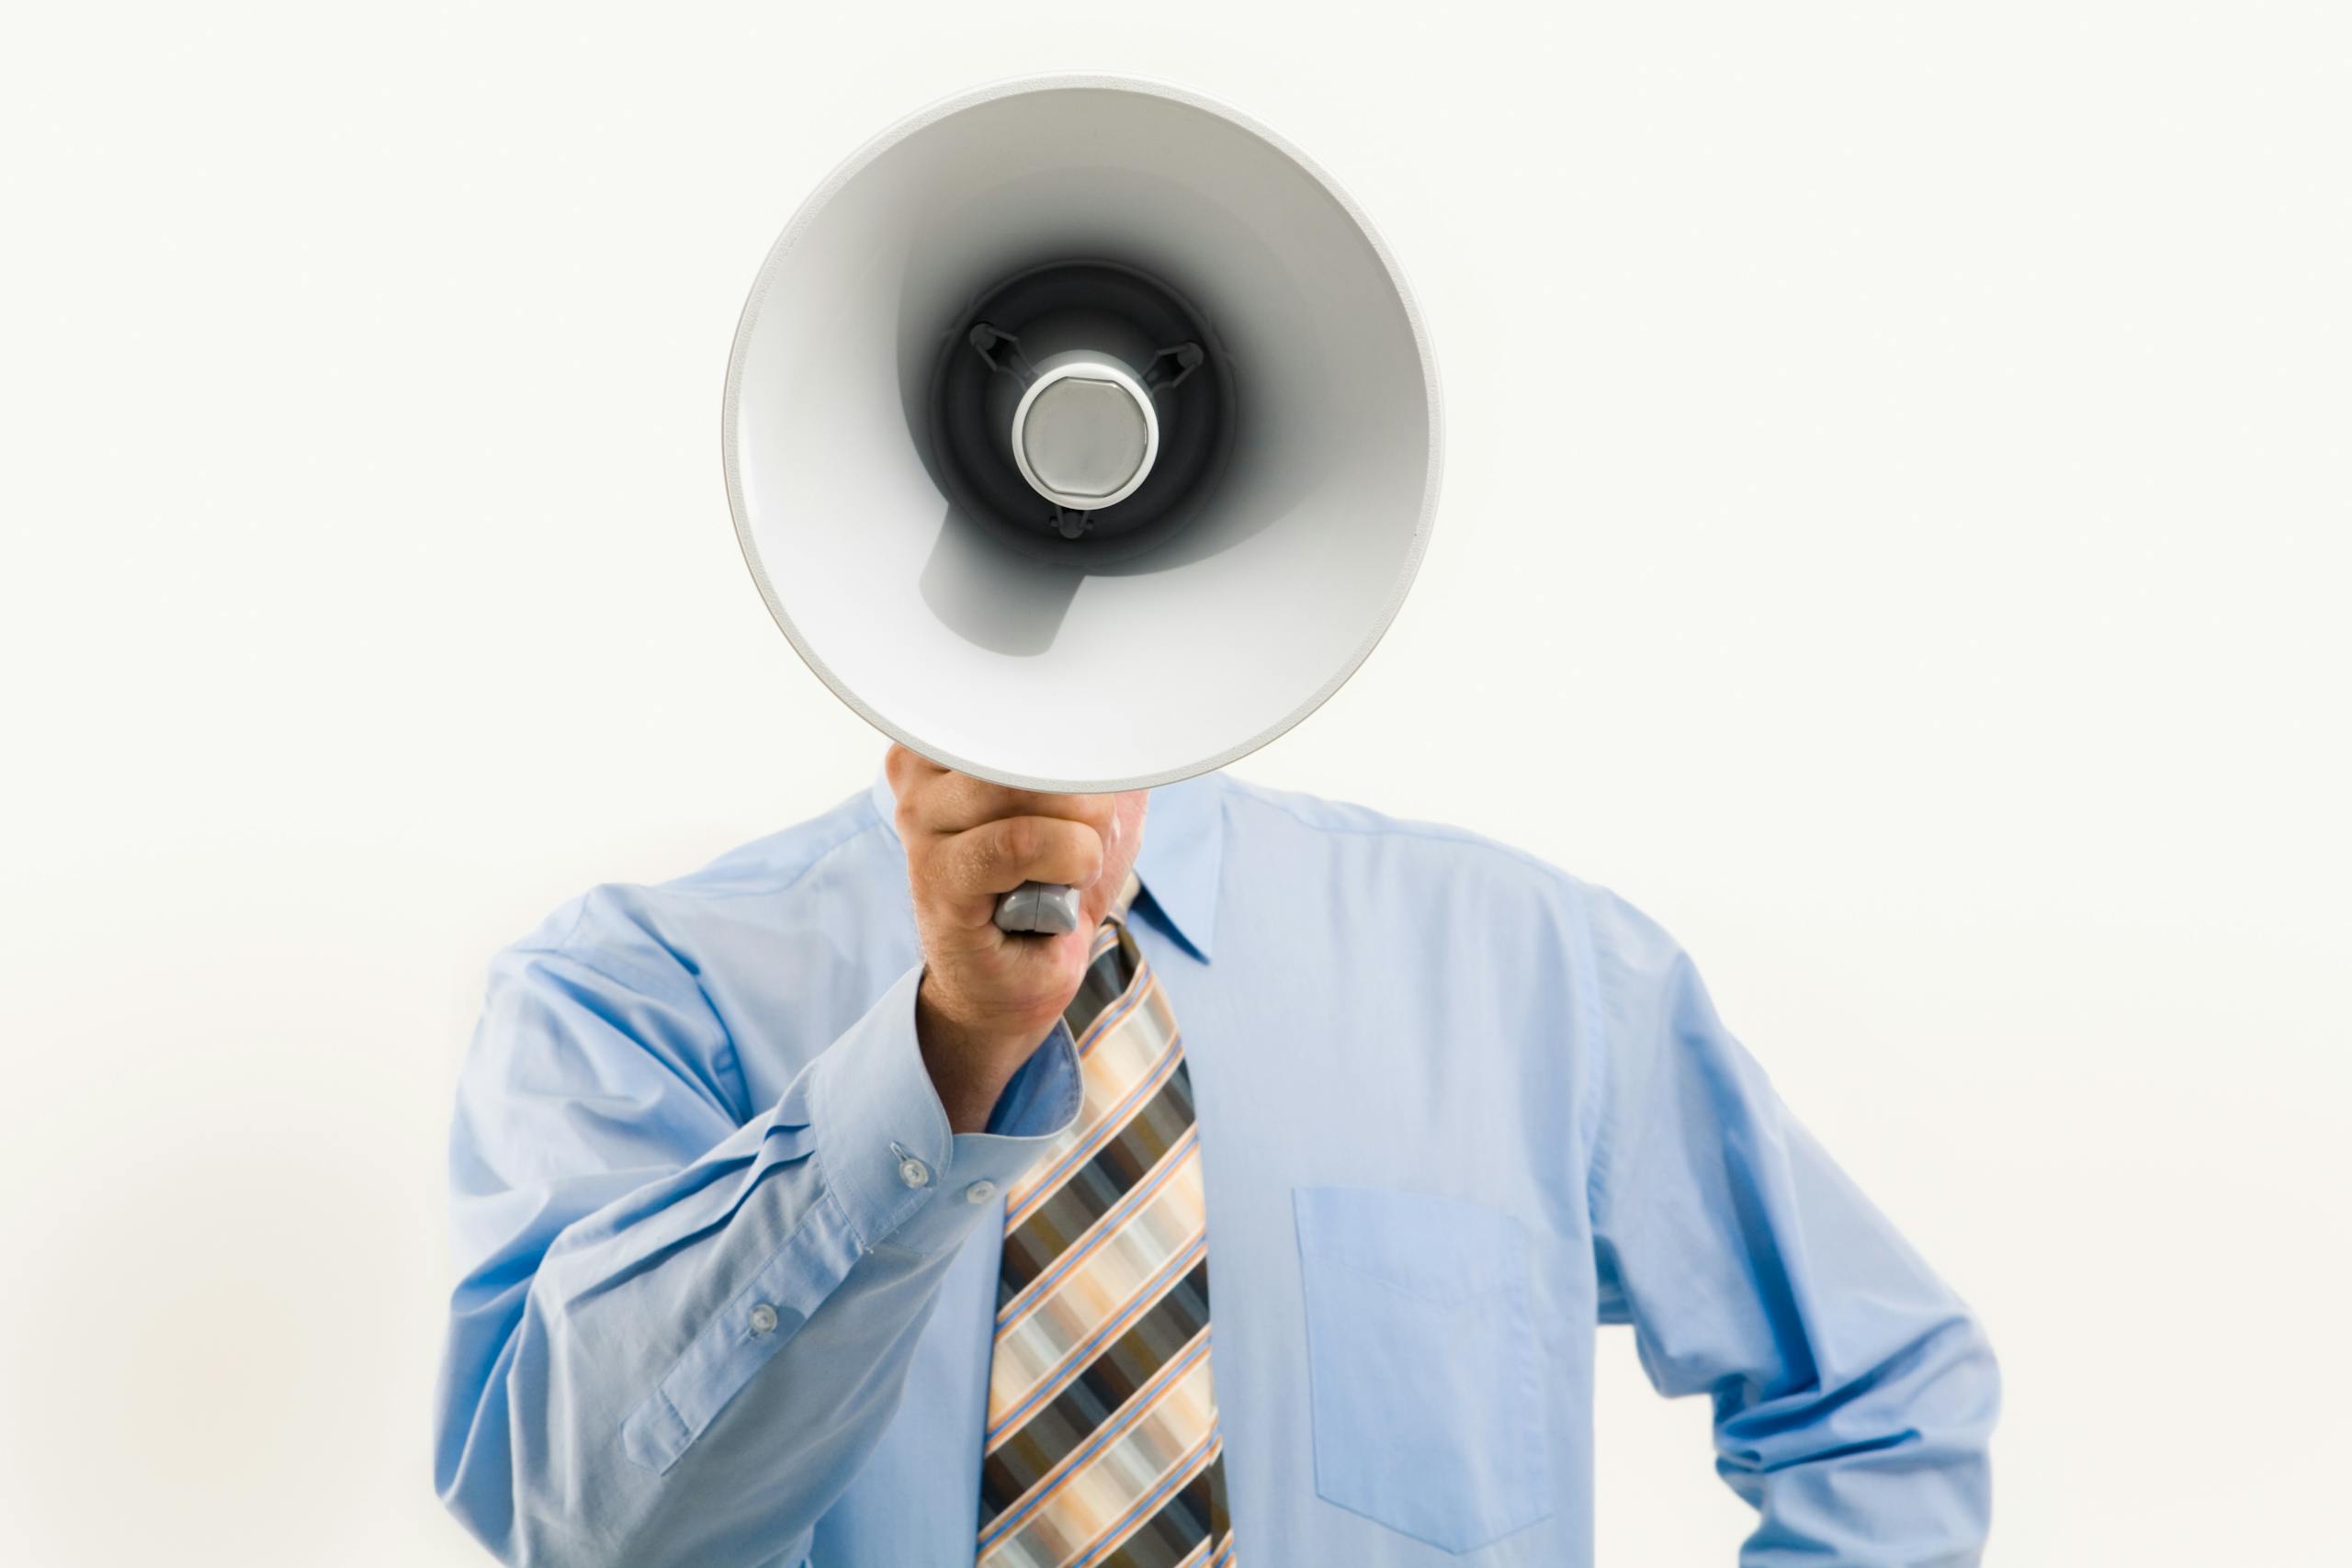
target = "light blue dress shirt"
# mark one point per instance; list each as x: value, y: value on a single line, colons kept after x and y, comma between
x: 728, y: 1280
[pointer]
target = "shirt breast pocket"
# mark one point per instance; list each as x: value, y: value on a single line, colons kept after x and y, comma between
x: 1425, y: 1374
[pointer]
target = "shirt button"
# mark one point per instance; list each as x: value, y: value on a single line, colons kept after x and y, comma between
x: 979, y: 1192
x: 913, y: 1172
x: 763, y: 1319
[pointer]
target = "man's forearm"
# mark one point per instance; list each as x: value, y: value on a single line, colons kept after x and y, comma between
x: 598, y: 1409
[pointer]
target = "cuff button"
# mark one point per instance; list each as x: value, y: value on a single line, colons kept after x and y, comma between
x: 911, y: 1171
x: 763, y: 1320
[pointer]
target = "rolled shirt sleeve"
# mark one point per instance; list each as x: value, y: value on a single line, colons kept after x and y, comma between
x: 641, y: 1264
x: 1854, y: 1393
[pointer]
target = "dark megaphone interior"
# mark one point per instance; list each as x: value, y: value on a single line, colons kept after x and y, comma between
x: 1146, y: 390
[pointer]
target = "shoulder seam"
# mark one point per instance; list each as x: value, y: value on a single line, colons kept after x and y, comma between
x: 784, y: 882
x: 1390, y: 826
x: 678, y: 888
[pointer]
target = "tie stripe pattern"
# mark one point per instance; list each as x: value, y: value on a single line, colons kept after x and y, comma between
x: 1102, y: 1448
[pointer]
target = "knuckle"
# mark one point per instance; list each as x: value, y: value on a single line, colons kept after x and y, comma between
x: 1019, y: 841
x: 899, y: 769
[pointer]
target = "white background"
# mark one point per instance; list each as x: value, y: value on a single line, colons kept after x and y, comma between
x: 1895, y: 531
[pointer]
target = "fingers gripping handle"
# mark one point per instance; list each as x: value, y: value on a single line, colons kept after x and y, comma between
x: 1043, y: 907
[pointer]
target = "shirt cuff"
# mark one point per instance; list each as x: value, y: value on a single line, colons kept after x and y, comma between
x: 883, y: 1142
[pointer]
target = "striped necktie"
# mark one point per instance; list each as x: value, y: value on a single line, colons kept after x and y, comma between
x: 1102, y: 1448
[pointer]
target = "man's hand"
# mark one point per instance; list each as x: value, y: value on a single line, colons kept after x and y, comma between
x: 988, y: 998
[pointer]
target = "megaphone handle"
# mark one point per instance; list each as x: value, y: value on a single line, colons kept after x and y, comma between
x: 1043, y: 907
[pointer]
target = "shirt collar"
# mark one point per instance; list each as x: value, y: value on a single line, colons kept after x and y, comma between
x: 1183, y: 844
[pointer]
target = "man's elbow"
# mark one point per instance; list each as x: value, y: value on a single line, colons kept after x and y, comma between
x: 473, y: 1473
x: 1933, y: 1399
x: 517, y: 1527
x: 1953, y: 1398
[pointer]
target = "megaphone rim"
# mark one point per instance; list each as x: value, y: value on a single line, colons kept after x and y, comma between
x: 1017, y: 86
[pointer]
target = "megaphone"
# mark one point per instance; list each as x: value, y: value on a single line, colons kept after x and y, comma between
x: 1082, y: 435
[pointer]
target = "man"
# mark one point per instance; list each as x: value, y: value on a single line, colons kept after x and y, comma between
x: 803, y: 1221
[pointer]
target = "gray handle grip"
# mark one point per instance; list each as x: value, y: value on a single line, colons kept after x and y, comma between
x: 1043, y: 907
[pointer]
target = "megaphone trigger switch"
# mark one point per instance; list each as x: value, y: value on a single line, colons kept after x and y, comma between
x: 1046, y: 908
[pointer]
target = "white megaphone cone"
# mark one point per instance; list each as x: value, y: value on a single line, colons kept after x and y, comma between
x: 1066, y: 381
